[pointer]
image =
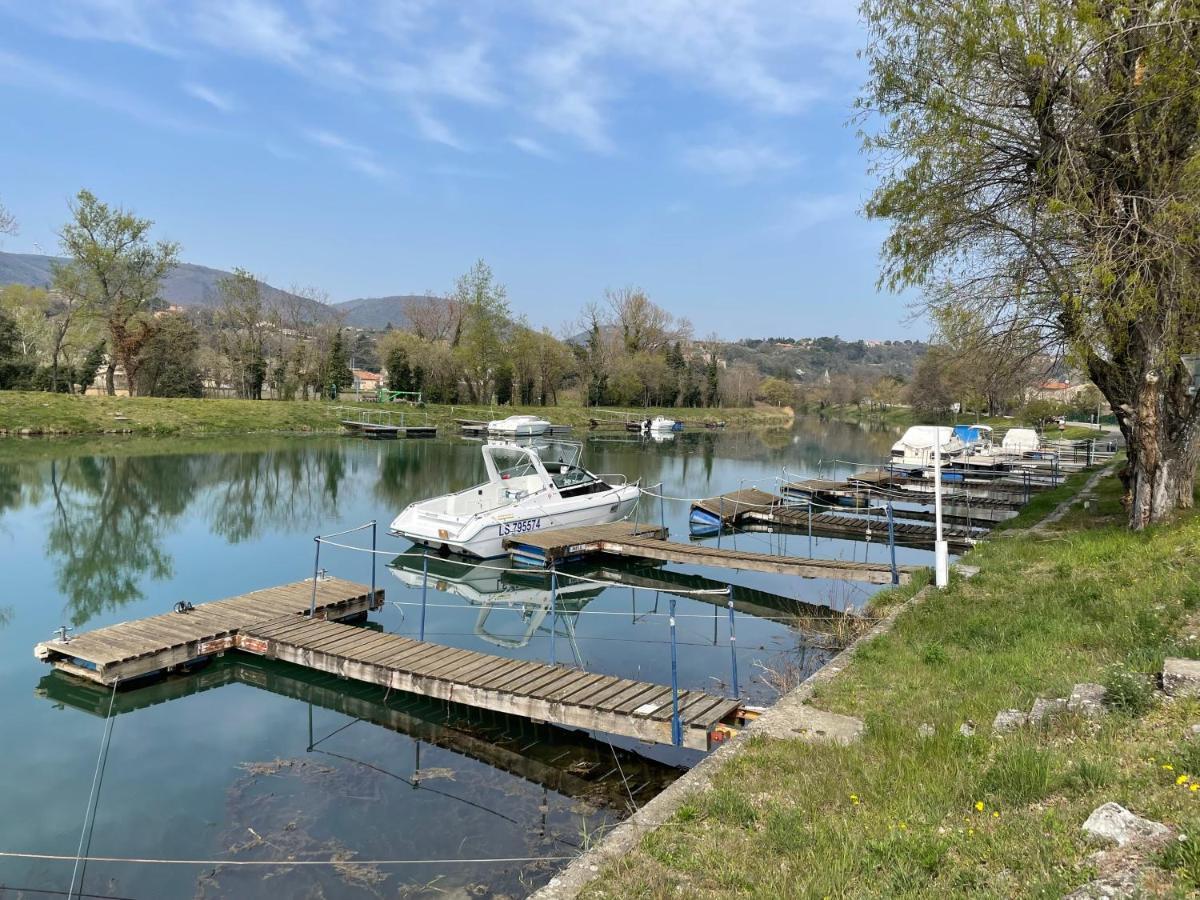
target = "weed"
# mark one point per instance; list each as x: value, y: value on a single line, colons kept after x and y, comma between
x: 1128, y: 692
x: 934, y: 655
x: 1020, y: 773
x: 1089, y: 775
x: 729, y: 806
x: 1182, y: 856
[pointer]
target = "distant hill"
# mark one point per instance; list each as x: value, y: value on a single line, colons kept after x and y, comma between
x: 808, y: 359
x: 185, y: 285
x: 376, y: 313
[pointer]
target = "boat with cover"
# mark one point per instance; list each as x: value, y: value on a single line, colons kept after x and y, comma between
x: 661, y: 424
x: 915, y: 448
x: 523, y: 493
x: 518, y: 426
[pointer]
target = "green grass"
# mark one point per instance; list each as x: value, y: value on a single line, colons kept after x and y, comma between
x: 61, y: 414
x: 949, y: 815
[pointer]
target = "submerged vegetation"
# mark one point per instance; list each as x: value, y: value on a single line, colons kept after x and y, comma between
x: 923, y: 811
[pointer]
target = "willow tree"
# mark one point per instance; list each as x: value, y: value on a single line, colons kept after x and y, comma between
x: 1039, y: 164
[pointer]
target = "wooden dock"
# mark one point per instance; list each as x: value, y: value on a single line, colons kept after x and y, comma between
x: 160, y: 643
x: 641, y: 541
x: 751, y: 506
x: 384, y: 430
x: 274, y: 623
x: 558, y: 694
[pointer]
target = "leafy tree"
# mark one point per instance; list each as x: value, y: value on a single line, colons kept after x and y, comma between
x: 241, y: 332
x: 115, y: 272
x: 15, y: 369
x: 400, y: 374
x: 485, y: 315
x: 777, y: 392
x: 712, y: 381
x: 1040, y: 165
x: 167, y: 361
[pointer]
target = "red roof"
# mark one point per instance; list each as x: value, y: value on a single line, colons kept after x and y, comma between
x: 1054, y: 386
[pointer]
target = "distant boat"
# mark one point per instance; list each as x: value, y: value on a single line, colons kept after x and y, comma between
x: 1021, y: 440
x: 522, y: 494
x: 915, y: 448
x: 661, y: 423
x: 518, y: 426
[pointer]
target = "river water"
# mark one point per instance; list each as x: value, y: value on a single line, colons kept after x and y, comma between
x: 248, y: 761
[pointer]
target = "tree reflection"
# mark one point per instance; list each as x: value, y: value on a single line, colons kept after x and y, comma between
x: 109, y: 515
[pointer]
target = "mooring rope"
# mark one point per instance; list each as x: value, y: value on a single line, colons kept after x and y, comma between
x: 89, y: 811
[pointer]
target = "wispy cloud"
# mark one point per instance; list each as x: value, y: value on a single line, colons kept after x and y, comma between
x: 434, y: 129
x: 205, y: 94
x: 256, y: 28
x: 738, y: 161
x: 807, y: 211
x: 531, y: 146
x: 356, y: 156
x: 18, y: 71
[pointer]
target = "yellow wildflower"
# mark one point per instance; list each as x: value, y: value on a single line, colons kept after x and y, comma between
x: 979, y: 805
x: 1194, y: 786
x: 970, y: 831
x: 854, y: 799
x: 1168, y: 767
x: 1182, y: 779
x: 995, y: 815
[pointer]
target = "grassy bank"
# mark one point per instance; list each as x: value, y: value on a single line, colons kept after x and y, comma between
x: 43, y: 413
x: 951, y: 815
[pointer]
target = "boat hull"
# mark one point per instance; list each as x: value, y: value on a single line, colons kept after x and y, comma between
x: 484, y: 537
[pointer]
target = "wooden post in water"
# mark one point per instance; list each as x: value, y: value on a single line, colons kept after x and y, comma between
x: 941, y: 550
x: 553, y: 611
x: 373, y: 529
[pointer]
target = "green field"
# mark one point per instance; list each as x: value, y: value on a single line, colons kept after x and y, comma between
x: 900, y: 814
x: 28, y: 412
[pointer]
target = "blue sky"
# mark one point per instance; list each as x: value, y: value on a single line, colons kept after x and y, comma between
x: 700, y: 150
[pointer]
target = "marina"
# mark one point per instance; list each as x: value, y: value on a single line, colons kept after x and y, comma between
x: 574, y: 676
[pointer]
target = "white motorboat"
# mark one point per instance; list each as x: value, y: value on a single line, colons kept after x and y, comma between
x: 518, y: 426
x: 915, y: 448
x: 522, y: 494
x: 661, y: 424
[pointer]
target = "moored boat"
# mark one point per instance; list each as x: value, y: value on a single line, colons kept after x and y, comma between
x: 523, y: 494
x: 518, y: 426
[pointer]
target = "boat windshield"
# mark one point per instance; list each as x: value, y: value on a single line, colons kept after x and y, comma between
x: 565, y: 475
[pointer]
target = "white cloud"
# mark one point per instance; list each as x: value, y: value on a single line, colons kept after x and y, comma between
x: 434, y: 129
x: 38, y: 76
x: 356, y: 156
x: 737, y: 161
x: 531, y: 146
x: 213, y: 98
x: 254, y: 28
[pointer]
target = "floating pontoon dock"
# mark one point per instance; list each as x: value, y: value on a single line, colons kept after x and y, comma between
x: 274, y: 623
x: 635, y: 540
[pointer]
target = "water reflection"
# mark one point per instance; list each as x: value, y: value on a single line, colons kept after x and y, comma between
x: 111, y: 516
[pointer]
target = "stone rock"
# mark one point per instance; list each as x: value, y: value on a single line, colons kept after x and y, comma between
x: 925, y: 730
x: 1195, y: 730
x: 816, y: 726
x: 1009, y: 720
x: 1044, y: 709
x: 1115, y: 824
x: 966, y: 571
x: 1087, y: 700
x: 967, y: 729
x: 1181, y: 677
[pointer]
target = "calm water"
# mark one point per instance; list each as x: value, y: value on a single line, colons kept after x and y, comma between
x: 254, y: 761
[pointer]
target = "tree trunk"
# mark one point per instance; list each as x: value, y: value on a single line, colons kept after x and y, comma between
x: 1162, y: 455
x: 110, y: 380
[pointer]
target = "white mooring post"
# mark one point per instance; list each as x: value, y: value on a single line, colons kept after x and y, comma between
x: 941, y: 552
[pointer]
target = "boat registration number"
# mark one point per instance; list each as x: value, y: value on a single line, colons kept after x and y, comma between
x: 524, y: 526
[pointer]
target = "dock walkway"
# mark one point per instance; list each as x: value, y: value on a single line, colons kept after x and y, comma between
x: 132, y: 649
x: 558, y: 694
x: 642, y: 541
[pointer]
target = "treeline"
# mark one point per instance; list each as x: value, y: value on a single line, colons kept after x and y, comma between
x: 103, y: 318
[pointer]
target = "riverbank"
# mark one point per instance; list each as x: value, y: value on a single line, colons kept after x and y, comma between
x: 38, y: 413
x: 904, y: 416
x: 919, y: 808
